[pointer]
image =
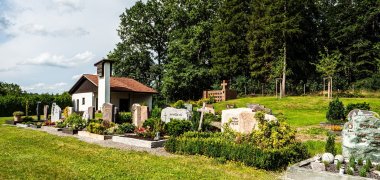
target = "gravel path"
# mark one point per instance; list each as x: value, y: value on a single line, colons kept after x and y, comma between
x: 109, y: 143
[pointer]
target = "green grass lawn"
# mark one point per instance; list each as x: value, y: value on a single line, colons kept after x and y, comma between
x: 30, y: 154
x: 300, y: 110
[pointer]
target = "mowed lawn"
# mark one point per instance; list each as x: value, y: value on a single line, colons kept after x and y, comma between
x: 299, y: 110
x: 30, y: 154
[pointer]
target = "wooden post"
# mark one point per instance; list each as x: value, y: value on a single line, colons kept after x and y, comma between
x: 304, y: 89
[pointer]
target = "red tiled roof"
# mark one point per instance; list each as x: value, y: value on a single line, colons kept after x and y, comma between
x: 122, y: 84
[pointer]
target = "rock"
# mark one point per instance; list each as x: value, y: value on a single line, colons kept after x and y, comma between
x: 317, y: 157
x: 305, y: 162
x: 328, y: 157
x: 361, y: 135
x: 340, y: 158
x: 377, y: 172
x: 315, y: 166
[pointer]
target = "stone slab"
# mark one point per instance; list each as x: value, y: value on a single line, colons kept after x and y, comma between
x: 51, y: 128
x: 22, y: 125
x: 172, y: 113
x: 94, y: 136
x: 139, y: 142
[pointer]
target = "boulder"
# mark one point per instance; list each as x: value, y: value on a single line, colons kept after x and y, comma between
x: 328, y: 157
x: 339, y: 157
x: 361, y: 135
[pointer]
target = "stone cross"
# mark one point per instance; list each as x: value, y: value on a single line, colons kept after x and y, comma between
x: 202, y: 110
x: 224, y: 85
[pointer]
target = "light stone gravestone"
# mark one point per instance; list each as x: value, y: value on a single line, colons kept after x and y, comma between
x: 139, y: 114
x: 242, y: 119
x: 70, y: 111
x: 91, y: 112
x: 85, y: 116
x: 361, y: 135
x: 46, y: 112
x: 55, y: 112
x: 172, y: 113
x: 108, y: 112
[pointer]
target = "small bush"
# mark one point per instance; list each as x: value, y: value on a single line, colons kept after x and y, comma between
x: 338, y: 165
x: 125, y: 117
x: 352, y: 162
x: 360, y: 162
x: 125, y: 128
x: 368, y: 164
x: 349, y: 171
x: 330, y: 144
x: 335, y: 112
x: 27, y: 118
x: 156, y: 112
x: 18, y: 113
x: 155, y: 125
x: 60, y: 124
x: 96, y: 128
x: 363, y: 172
x: 361, y: 106
x: 177, y: 127
x: 179, y: 104
x: 75, y: 121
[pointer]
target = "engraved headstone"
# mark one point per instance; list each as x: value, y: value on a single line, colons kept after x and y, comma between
x: 55, y: 112
x: 46, y: 112
x: 70, y: 111
x: 172, y: 113
x: 361, y: 135
x: 139, y: 114
x: 91, y: 112
x: 242, y: 119
x: 189, y: 107
x: 108, y: 112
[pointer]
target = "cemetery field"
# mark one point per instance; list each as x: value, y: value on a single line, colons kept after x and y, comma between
x: 30, y: 154
x: 300, y: 110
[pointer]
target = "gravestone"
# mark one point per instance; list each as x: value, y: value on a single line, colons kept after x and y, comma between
x: 91, y: 112
x: 115, y: 114
x: 108, y: 112
x: 70, y: 111
x: 189, y: 107
x: 46, y: 112
x: 38, y: 111
x: 172, y: 113
x: 361, y: 135
x: 55, y: 112
x: 242, y: 119
x: 258, y: 107
x: 85, y: 116
x: 139, y: 114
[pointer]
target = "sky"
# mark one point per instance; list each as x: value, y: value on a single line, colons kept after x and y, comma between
x: 46, y: 45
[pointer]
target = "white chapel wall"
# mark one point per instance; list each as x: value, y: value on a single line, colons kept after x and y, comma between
x: 89, y: 100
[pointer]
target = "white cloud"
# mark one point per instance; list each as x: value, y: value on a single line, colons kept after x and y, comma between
x: 48, y: 59
x: 37, y: 29
x: 76, y: 77
x: 8, y: 69
x: 38, y: 87
x: 69, y: 5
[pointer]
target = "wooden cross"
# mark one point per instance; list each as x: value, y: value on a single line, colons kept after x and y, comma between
x: 202, y: 110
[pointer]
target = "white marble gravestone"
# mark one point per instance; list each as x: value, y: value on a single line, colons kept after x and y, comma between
x: 55, y: 112
x: 172, y: 113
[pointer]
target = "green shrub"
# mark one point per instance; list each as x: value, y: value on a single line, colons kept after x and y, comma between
x: 156, y: 112
x: 125, y: 117
x: 330, y: 144
x: 363, y: 172
x: 27, y: 118
x: 125, y: 128
x: 361, y: 106
x: 217, y: 146
x: 177, y: 127
x: 96, y: 128
x: 75, y: 121
x: 368, y: 164
x: 149, y: 122
x: 335, y: 112
x: 179, y: 104
x: 349, y: 171
x: 352, y: 162
x: 18, y: 113
x: 360, y: 162
x: 154, y: 125
x: 60, y: 124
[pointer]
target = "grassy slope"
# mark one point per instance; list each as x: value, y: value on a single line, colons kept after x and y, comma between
x: 29, y: 154
x: 300, y: 110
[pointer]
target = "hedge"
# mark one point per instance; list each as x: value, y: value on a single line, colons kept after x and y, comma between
x: 215, y: 145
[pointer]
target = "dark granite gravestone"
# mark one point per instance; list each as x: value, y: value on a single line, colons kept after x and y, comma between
x: 115, y: 113
x: 38, y: 110
x: 91, y: 112
x: 46, y: 112
x: 108, y: 112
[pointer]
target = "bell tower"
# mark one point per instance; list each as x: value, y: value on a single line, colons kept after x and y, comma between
x: 104, y: 71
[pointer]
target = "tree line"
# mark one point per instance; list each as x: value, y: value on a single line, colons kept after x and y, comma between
x: 184, y: 47
x: 12, y: 99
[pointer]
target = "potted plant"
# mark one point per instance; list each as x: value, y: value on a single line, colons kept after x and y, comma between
x: 17, y: 116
